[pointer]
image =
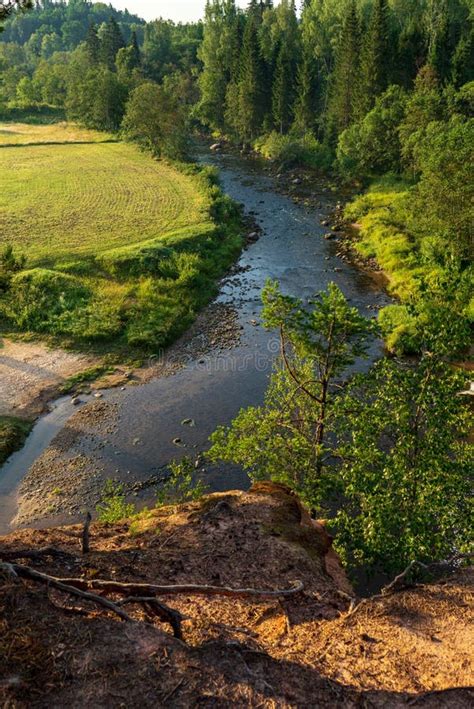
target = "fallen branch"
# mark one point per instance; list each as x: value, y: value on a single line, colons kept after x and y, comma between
x: 50, y: 581
x: 188, y: 588
x: 164, y: 612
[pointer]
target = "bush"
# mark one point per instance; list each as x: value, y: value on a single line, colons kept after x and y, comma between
x: 9, y: 265
x: 292, y: 149
x: 113, y: 506
x: 38, y: 297
x: 13, y: 433
x: 181, y: 486
x: 373, y: 145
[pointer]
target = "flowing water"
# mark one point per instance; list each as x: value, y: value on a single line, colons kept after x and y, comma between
x: 211, y: 390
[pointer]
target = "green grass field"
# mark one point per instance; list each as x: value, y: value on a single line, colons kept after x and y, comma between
x: 119, y: 247
x: 16, y: 133
x: 69, y: 201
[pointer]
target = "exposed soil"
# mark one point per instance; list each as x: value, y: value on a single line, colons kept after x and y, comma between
x: 31, y: 375
x: 413, y: 648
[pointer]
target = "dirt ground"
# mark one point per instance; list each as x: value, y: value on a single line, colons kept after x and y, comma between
x: 412, y: 648
x: 31, y: 373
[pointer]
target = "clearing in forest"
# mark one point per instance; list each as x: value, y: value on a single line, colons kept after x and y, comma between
x: 118, y: 246
x: 69, y: 201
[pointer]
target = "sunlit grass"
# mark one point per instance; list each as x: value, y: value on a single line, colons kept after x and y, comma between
x: 27, y: 134
x: 60, y: 202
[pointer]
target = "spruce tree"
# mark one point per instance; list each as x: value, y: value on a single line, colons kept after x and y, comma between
x: 92, y: 45
x: 283, y: 98
x: 462, y: 65
x: 375, y: 59
x: 250, y: 107
x: 218, y: 54
x: 135, y: 60
x: 112, y: 41
x: 280, y: 47
x: 343, y: 81
x: 305, y: 105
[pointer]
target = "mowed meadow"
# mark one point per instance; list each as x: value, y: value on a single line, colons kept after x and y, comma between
x: 108, y: 243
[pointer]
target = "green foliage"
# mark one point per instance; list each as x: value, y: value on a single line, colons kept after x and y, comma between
x: 393, y: 464
x: 344, y: 80
x: 423, y: 106
x: 38, y: 298
x: 113, y: 506
x: 157, y: 121
x: 10, y: 264
x: 405, y: 480
x: 442, y: 203
x: 286, y: 439
x: 87, y: 375
x: 294, y: 149
x: 375, y: 59
x: 13, y: 433
x: 218, y: 52
x: 372, y: 146
x: 9, y: 6
x: 181, y: 486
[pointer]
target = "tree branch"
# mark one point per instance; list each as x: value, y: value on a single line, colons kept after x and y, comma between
x: 50, y: 581
x: 141, y: 589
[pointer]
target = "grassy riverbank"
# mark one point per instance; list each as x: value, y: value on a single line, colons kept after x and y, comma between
x: 120, y: 248
x: 13, y: 433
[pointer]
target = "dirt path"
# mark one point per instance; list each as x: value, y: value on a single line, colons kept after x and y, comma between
x: 31, y: 373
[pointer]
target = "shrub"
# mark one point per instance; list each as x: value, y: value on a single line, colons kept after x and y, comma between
x: 372, y: 146
x: 9, y: 265
x: 39, y: 297
x: 292, y: 149
x: 181, y: 486
x: 113, y: 506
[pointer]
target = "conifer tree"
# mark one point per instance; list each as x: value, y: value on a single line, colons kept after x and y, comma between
x: 343, y: 89
x: 218, y: 54
x: 287, y: 56
x: 283, y: 94
x: 375, y: 59
x: 250, y: 107
x: 112, y: 41
x: 135, y: 60
x: 305, y: 105
x: 462, y: 65
x: 92, y: 45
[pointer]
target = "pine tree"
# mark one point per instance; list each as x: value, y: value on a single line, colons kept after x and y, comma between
x: 375, y: 60
x: 343, y: 91
x: 112, y: 41
x: 92, y: 45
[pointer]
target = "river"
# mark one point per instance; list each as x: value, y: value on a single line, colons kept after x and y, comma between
x: 210, y: 389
